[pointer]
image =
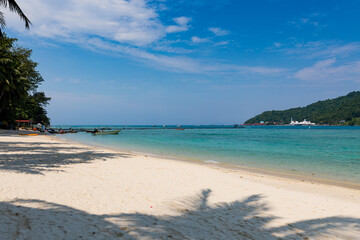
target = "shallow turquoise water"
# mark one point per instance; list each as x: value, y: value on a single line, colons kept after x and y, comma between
x: 329, y: 152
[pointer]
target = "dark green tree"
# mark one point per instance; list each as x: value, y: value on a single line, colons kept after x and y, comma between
x: 19, y: 81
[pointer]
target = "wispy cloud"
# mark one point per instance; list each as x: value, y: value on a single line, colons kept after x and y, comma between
x: 277, y: 44
x: 182, y: 25
x: 196, y: 39
x: 130, y: 28
x: 328, y: 71
x: 167, y: 48
x: 312, y: 19
x: 221, y: 43
x: 218, y: 31
x: 183, y: 64
x: 318, y: 49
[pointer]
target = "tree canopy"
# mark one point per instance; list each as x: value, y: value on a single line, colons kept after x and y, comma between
x: 343, y: 110
x: 19, y: 81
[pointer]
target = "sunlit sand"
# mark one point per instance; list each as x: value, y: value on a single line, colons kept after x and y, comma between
x: 51, y: 189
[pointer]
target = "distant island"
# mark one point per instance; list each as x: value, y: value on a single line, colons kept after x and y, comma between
x: 344, y: 110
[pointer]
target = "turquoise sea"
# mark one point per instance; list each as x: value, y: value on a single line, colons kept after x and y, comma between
x: 326, y: 152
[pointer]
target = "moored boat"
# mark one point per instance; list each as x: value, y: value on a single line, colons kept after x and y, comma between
x: 28, y: 134
x: 303, y: 123
x: 107, y: 132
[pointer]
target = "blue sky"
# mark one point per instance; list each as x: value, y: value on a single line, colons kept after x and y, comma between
x: 189, y: 62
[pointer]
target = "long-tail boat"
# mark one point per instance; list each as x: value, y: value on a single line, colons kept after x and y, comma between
x: 107, y: 132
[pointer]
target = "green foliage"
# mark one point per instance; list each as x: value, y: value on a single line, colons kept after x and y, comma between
x: 19, y: 81
x: 330, y: 111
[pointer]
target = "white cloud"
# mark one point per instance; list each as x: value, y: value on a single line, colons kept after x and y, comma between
x: 321, y: 49
x: 130, y: 28
x: 169, y: 49
x: 221, y: 43
x: 196, y: 39
x: 218, y: 31
x: 310, y: 19
x: 182, y: 25
x: 182, y: 20
x: 325, y: 49
x: 326, y: 71
x: 131, y: 22
x: 183, y: 64
x: 277, y: 44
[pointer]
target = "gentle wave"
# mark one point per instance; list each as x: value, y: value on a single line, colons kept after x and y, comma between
x: 212, y: 161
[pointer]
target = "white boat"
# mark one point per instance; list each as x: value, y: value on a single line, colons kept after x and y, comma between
x: 303, y: 123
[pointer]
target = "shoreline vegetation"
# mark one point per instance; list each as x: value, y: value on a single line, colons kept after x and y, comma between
x: 19, y: 82
x: 59, y: 189
x: 340, y: 111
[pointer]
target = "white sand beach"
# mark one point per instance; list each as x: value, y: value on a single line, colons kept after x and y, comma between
x: 52, y: 189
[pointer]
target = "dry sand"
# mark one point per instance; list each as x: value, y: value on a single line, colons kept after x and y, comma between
x: 52, y: 189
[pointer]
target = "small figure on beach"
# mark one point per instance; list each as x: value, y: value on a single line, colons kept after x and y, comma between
x: 95, y: 131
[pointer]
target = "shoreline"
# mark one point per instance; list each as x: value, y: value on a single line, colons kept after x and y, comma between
x: 297, y: 176
x: 56, y: 189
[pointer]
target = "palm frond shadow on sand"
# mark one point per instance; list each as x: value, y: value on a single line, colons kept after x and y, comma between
x: 39, y: 157
x: 195, y: 219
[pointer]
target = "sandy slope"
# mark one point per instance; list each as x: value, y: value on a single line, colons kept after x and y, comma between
x: 51, y: 189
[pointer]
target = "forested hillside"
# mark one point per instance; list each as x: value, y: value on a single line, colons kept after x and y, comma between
x: 331, y: 111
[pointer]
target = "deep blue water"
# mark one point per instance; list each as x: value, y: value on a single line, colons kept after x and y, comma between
x: 328, y: 152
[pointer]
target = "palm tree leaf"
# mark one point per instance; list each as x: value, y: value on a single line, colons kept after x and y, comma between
x: 2, y: 20
x: 14, y: 7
